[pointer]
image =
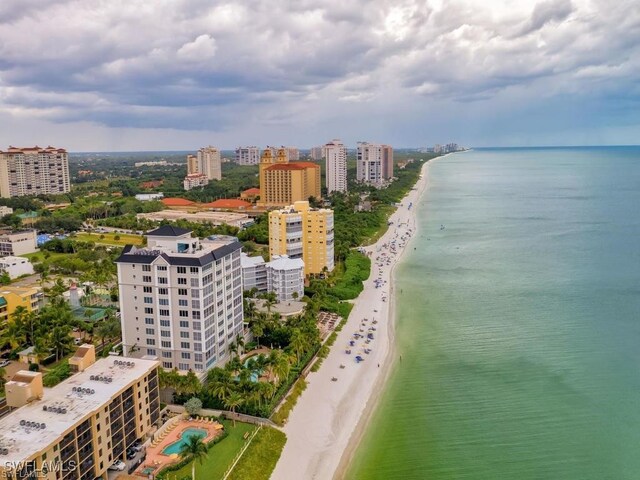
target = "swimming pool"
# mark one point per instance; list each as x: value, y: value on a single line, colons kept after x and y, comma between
x: 184, y: 437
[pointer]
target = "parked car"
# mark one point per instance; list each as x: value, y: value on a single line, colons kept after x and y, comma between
x: 137, y: 446
x: 131, y: 453
x: 4, y: 363
x: 118, y: 466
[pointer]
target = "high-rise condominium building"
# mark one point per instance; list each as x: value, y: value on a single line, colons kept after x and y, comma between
x: 247, y: 155
x: 300, y: 231
x: 207, y: 161
x: 79, y: 428
x: 34, y: 171
x: 316, y: 153
x: 283, y: 183
x: 336, y: 162
x: 374, y: 163
x: 181, y: 298
x: 293, y: 153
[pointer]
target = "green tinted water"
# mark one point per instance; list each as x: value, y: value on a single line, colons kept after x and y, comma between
x: 519, y: 323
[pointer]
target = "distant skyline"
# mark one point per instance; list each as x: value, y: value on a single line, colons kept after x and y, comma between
x: 128, y: 75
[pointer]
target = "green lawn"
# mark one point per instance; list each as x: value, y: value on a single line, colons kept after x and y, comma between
x: 40, y: 256
x: 109, y: 238
x: 220, y: 455
x: 261, y: 457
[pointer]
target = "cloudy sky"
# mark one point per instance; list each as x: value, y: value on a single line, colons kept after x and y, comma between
x: 93, y: 75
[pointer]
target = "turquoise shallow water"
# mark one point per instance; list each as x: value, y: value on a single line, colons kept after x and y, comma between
x: 176, y: 446
x: 521, y: 340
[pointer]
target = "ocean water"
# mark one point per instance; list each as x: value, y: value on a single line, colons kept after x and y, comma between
x: 518, y: 324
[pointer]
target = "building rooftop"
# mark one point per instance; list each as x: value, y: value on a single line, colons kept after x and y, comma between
x: 48, y: 149
x: 212, y: 250
x: 251, y: 191
x: 168, y: 231
x: 176, y: 202
x: 283, y: 262
x: 247, y: 261
x: 228, y: 203
x: 33, y: 427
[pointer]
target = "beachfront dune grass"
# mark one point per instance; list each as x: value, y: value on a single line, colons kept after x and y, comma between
x: 280, y: 417
x: 356, y: 269
x: 260, y: 458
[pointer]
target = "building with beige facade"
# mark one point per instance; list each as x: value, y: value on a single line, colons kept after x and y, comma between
x: 282, y: 182
x: 374, y: 164
x: 15, y: 243
x: 181, y: 298
x: 300, y: 231
x: 210, y: 163
x: 195, y: 180
x: 34, y: 171
x: 80, y: 427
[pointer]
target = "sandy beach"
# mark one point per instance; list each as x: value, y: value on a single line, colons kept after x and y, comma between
x: 330, y: 416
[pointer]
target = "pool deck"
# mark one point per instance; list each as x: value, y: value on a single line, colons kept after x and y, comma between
x: 158, y: 460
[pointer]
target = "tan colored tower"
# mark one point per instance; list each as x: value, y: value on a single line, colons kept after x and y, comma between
x: 283, y: 183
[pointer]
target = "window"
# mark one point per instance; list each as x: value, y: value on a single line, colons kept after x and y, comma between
x: 148, y: 320
x: 199, y: 366
x: 151, y: 341
x: 197, y: 357
x: 162, y: 280
x: 185, y: 345
x: 195, y: 282
x: 148, y: 310
x: 166, y: 354
x: 186, y: 355
x: 162, y: 268
x: 194, y: 270
x: 164, y: 323
x: 164, y: 312
x: 197, y: 336
x: 184, y: 334
x: 195, y: 303
x: 146, y: 278
x: 163, y: 291
x: 182, y: 269
x: 167, y: 365
x: 148, y: 300
x: 184, y: 313
x: 184, y: 324
x: 146, y: 268
x: 151, y: 351
x: 183, y: 302
x: 182, y: 291
x: 150, y: 331
x: 163, y: 301
x: 165, y: 344
x: 147, y: 289
x: 183, y: 366
x: 165, y: 333
x: 182, y: 281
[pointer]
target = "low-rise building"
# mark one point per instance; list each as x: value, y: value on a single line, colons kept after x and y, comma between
x: 147, y: 197
x: 17, y: 243
x: 240, y: 220
x: 195, y: 180
x: 15, y: 266
x: 4, y: 211
x: 250, y: 194
x: 12, y: 297
x: 285, y: 277
x: 282, y: 275
x: 254, y: 273
x: 80, y: 427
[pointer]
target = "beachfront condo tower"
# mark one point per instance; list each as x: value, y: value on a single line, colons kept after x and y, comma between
x: 300, y: 231
x: 283, y: 183
x: 335, y: 154
x: 34, y: 171
x: 181, y: 298
x: 374, y: 163
x: 79, y: 428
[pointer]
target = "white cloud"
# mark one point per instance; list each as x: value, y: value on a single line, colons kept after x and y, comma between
x: 201, y: 49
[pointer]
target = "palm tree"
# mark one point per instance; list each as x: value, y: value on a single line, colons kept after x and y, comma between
x: 280, y: 364
x: 195, y: 449
x: 60, y: 341
x: 3, y: 373
x: 270, y: 299
x: 232, y: 402
x: 298, y: 343
x: 240, y: 344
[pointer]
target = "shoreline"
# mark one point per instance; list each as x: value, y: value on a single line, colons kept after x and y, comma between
x: 392, y: 355
x: 328, y: 422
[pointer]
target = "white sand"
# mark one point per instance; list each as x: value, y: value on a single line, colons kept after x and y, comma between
x: 326, y: 424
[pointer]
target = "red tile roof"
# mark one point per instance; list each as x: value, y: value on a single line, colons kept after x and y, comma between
x: 251, y: 191
x: 176, y: 202
x: 228, y: 203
